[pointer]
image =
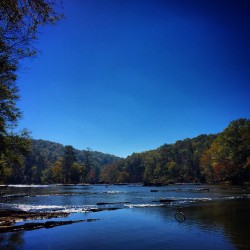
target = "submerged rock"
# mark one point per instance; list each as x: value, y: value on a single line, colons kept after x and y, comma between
x: 112, y: 203
x: 167, y: 200
x: 103, y: 209
x: 154, y: 184
x: 33, y: 226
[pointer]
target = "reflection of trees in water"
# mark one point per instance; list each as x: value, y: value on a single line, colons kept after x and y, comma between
x: 231, y: 217
x: 11, y: 241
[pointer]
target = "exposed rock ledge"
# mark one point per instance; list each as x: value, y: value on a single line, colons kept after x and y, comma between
x: 8, y: 218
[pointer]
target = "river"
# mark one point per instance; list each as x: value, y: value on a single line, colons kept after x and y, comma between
x: 216, y: 217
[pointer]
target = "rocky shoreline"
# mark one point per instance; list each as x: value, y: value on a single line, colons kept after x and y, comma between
x: 9, y: 218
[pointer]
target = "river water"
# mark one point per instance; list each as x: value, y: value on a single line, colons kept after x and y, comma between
x: 216, y: 217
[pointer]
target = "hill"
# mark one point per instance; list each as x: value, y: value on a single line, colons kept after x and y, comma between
x: 215, y: 158
x: 45, y: 154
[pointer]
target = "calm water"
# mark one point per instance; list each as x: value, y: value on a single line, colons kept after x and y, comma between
x: 217, y: 218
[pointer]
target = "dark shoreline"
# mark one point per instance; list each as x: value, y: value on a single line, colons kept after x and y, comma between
x: 8, y: 219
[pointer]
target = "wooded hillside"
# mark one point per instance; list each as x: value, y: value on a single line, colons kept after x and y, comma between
x: 45, y: 163
x: 224, y: 157
x: 215, y: 158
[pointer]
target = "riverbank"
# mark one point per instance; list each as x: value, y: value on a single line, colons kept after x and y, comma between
x: 9, y: 218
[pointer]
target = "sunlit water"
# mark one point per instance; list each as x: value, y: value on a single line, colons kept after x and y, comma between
x: 217, y: 217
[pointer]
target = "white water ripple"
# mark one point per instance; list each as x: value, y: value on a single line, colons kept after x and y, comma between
x: 52, y: 208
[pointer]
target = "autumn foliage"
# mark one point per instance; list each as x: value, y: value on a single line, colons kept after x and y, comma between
x: 221, y: 158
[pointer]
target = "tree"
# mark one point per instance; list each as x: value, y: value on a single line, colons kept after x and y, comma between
x: 13, y: 148
x: 227, y: 160
x: 19, y: 23
x: 75, y: 172
x: 68, y: 161
x: 88, y: 164
x: 88, y: 160
x: 9, y: 113
x: 13, y: 145
x: 208, y: 163
x: 135, y: 168
x: 57, y: 171
x: 234, y: 151
x: 150, y: 161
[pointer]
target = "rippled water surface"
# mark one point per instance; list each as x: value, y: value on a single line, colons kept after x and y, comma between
x: 217, y: 217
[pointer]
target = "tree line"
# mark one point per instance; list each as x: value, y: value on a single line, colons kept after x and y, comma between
x: 216, y: 158
x: 48, y: 162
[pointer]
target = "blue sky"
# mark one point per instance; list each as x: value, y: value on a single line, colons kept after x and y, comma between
x: 128, y: 76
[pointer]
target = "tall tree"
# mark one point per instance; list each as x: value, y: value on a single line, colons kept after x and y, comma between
x: 88, y: 164
x: 68, y: 161
x: 19, y: 23
x: 13, y: 148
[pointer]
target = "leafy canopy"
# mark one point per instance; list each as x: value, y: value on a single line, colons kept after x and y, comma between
x: 19, y: 23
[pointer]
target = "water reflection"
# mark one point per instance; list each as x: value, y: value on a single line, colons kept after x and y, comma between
x: 227, y: 219
x: 230, y: 218
x: 11, y: 241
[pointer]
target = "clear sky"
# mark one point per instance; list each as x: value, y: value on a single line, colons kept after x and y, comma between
x: 124, y: 76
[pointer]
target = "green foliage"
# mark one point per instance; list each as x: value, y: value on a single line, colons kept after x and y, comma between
x: 19, y: 23
x: 212, y: 158
x: 58, y: 164
x: 227, y: 159
x: 9, y: 113
x: 13, y: 145
x: 68, y: 159
x: 12, y: 156
x: 125, y: 170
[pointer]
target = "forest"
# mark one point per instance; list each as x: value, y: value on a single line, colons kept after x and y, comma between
x: 215, y: 158
x: 49, y: 162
